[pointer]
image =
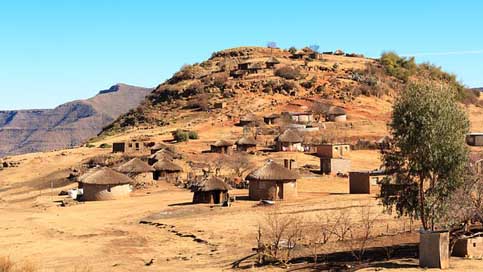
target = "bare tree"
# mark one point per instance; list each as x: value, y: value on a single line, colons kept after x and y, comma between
x: 362, y: 232
x: 318, y: 233
x: 240, y: 163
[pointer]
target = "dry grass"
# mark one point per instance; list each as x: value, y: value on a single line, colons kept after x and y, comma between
x: 7, y: 265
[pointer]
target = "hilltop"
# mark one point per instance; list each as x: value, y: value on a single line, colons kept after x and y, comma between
x: 242, y: 79
x: 68, y: 125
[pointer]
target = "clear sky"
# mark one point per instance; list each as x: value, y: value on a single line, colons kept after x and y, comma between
x: 55, y: 51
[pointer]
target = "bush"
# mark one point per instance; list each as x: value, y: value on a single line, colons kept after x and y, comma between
x: 90, y: 146
x: 399, y: 67
x: 180, y: 135
x: 288, y: 72
x: 292, y: 50
x: 104, y: 145
x: 193, y: 135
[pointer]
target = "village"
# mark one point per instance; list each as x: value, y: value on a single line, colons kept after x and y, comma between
x: 208, y: 190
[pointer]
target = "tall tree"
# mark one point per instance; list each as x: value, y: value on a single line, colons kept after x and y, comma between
x: 428, y: 153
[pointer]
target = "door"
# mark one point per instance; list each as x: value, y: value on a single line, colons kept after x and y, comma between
x: 280, y: 190
x: 216, y: 197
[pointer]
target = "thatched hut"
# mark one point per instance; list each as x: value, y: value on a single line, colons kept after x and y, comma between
x: 160, y: 146
x: 289, y: 140
x: 104, y: 184
x: 272, y: 182
x: 271, y: 118
x: 246, y: 144
x: 137, y: 169
x: 163, y: 154
x: 210, y: 190
x: 222, y: 146
x: 271, y: 62
x: 336, y: 114
x: 166, y: 169
x: 249, y: 120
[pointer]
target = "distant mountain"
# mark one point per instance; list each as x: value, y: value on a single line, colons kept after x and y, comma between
x: 68, y: 125
x: 478, y: 89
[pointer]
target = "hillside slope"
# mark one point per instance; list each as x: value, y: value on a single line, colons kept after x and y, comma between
x: 24, y: 131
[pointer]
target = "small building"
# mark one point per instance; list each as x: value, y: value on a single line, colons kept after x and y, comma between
x: 244, y: 65
x: 299, y: 117
x: 219, y: 105
x: 271, y: 119
x: 254, y: 68
x: 130, y: 147
x: 222, y: 146
x: 104, y: 184
x: 289, y: 140
x: 211, y: 190
x: 299, y: 54
x: 246, y: 144
x: 271, y: 62
x: 138, y: 170
x: 163, y: 154
x: 474, y: 139
x: 238, y: 73
x: 160, y: 146
x: 272, y: 182
x: 249, y: 120
x: 336, y: 114
x: 332, y: 166
x: 365, y: 182
x: 167, y: 170
x: 333, y: 150
x: 469, y: 247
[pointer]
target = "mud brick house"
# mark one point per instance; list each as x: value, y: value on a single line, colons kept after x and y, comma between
x: 272, y: 182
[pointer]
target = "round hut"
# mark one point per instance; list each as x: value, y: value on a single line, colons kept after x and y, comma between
x: 104, y: 184
x: 249, y: 120
x: 271, y: 62
x: 166, y: 169
x: 211, y: 190
x: 337, y: 114
x: 160, y: 146
x: 246, y: 144
x: 272, y: 182
x: 222, y: 146
x: 137, y: 169
x: 163, y: 154
x: 289, y: 140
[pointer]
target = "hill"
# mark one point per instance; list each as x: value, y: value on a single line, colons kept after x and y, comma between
x: 244, y: 79
x: 68, y: 125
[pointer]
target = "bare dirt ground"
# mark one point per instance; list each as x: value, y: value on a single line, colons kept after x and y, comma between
x: 158, y: 229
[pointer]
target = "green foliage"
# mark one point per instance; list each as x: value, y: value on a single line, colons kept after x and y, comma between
x: 90, y: 146
x: 104, y: 145
x: 192, y: 135
x: 184, y: 135
x: 292, y: 50
x: 428, y: 153
x: 399, y: 67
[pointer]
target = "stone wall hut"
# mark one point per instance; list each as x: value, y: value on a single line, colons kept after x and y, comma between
x: 365, y: 182
x: 271, y: 119
x: 104, y: 184
x: 289, y: 140
x: 131, y: 147
x: 222, y: 146
x: 246, y: 144
x: 271, y: 62
x: 272, y: 182
x: 137, y: 169
x: 211, y: 190
x: 167, y: 170
x: 299, y: 117
x: 336, y: 114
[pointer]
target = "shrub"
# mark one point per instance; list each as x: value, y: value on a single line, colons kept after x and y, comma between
x: 292, y: 50
x: 104, y: 145
x: 180, y: 135
x: 288, y: 72
x: 193, y: 135
x: 399, y: 67
x: 90, y: 146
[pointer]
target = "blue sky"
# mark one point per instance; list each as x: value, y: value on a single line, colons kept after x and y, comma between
x: 55, y: 51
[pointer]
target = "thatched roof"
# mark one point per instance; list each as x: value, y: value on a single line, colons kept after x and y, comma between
x: 272, y: 60
x: 104, y: 176
x: 246, y: 141
x: 255, y: 66
x: 211, y: 183
x: 163, y: 154
x: 165, y: 165
x: 249, y: 118
x: 290, y: 136
x: 135, y: 166
x: 222, y: 143
x: 333, y: 110
x: 272, y: 116
x: 272, y: 171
